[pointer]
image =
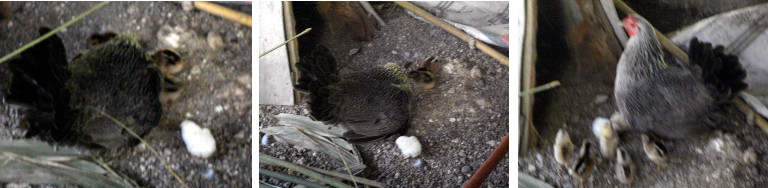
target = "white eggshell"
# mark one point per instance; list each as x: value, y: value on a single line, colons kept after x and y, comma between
x: 409, y: 146
x: 199, y: 141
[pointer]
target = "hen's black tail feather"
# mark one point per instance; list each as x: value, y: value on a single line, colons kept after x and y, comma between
x: 722, y: 72
x: 38, y: 82
x: 318, y: 71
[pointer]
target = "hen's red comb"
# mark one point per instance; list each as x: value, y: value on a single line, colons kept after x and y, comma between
x: 630, y: 25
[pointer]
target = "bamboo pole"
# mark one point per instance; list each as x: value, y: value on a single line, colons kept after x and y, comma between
x: 224, y: 12
x: 453, y: 30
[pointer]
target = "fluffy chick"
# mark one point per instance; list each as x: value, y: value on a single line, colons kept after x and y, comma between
x: 618, y: 122
x: 609, y: 140
x: 625, y: 168
x: 169, y: 61
x: 426, y: 75
x: 563, y: 149
x: 584, y: 164
x: 655, y: 151
x: 170, y: 64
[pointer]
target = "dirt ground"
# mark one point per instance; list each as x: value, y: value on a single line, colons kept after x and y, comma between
x: 707, y: 161
x: 459, y: 122
x: 218, y: 83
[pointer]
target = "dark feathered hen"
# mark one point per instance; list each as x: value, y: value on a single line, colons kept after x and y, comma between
x: 668, y: 98
x: 117, y: 76
x: 371, y: 104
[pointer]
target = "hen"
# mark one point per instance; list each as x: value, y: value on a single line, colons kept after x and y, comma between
x: 64, y: 101
x: 370, y: 104
x: 663, y: 96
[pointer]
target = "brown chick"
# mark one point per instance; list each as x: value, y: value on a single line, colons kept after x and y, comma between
x: 170, y: 64
x: 655, y: 151
x: 584, y: 164
x: 426, y: 75
x: 347, y: 16
x: 563, y: 149
x: 169, y: 61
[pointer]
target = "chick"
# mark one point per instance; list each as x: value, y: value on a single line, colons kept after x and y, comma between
x: 563, y: 149
x: 655, y: 151
x: 172, y: 89
x: 169, y: 62
x: 584, y: 164
x: 370, y: 104
x: 99, y: 38
x: 618, y: 122
x: 426, y: 75
x: 625, y: 168
x: 609, y: 140
x: 115, y: 77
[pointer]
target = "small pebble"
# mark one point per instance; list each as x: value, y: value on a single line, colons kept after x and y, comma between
x: 353, y: 51
x: 208, y: 174
x: 418, y: 163
x: 394, y: 52
x: 215, y: 41
x: 600, y: 99
x: 218, y: 109
x: 195, y: 70
x: 240, y: 135
x: 475, y: 72
x: 187, y: 6
x: 465, y: 169
x: 452, y: 120
x: 140, y: 147
x: 482, y: 103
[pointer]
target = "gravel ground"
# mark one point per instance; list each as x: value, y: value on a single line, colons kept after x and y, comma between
x: 706, y: 161
x: 218, y: 83
x: 459, y: 122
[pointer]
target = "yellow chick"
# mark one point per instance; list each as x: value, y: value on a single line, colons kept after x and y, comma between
x: 619, y: 124
x: 609, y: 140
x: 563, y: 149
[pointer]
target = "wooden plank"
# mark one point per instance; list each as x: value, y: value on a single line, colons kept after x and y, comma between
x: 275, y: 86
x: 529, y: 135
